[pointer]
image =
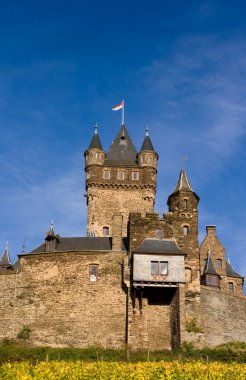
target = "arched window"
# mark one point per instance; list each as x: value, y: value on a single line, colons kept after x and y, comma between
x: 185, y: 230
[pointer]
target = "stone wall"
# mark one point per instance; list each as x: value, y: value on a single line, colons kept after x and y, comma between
x: 220, y: 316
x: 7, y: 304
x: 56, y: 300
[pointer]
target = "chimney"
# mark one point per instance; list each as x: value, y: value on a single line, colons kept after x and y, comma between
x: 211, y: 230
x: 117, y: 232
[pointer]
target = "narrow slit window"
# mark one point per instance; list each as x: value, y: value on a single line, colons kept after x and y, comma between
x: 230, y: 287
x: 219, y: 263
x: 185, y: 230
x: 93, y: 273
x: 159, y: 234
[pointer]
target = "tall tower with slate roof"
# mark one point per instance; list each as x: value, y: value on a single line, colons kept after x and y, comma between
x: 119, y: 181
x: 183, y: 204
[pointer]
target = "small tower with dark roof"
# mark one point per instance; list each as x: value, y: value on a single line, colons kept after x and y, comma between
x: 119, y: 182
x: 183, y: 204
x: 147, y: 157
x: 5, y: 263
x: 95, y: 154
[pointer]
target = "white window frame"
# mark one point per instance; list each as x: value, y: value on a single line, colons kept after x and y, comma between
x: 106, y: 174
x: 119, y: 174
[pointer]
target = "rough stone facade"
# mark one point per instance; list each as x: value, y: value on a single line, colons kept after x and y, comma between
x: 83, y: 291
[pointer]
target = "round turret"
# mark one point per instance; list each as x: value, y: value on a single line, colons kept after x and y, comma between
x: 147, y: 157
x: 95, y: 154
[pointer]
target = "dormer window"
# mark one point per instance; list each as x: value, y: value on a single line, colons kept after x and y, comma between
x: 121, y: 175
x: 50, y: 245
x: 212, y: 280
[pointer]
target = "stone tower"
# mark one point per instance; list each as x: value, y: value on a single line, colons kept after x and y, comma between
x: 183, y: 204
x: 119, y: 181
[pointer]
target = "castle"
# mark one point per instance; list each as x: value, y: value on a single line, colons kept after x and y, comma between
x: 137, y: 278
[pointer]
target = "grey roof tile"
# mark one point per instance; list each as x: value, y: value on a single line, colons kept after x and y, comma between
x: 209, y: 267
x: 160, y: 246
x: 122, y: 151
x: 82, y: 244
x: 230, y: 271
x: 5, y: 260
x: 95, y: 141
x: 147, y: 144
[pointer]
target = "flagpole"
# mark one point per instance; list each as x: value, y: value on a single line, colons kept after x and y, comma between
x: 123, y: 113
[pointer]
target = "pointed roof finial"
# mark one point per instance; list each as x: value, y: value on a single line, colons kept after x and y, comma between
x: 147, y: 144
x: 23, y: 246
x: 52, y: 225
x: 228, y: 258
x: 95, y: 141
x: 7, y: 246
x: 96, y: 129
x: 147, y: 130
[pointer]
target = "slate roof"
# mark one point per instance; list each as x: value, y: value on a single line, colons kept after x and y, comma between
x: 183, y: 184
x: 82, y: 244
x: 160, y: 246
x: 122, y: 151
x: 209, y: 267
x: 5, y: 260
x: 147, y: 144
x: 95, y: 141
x: 230, y: 271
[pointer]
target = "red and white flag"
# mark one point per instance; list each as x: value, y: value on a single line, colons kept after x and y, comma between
x: 119, y: 106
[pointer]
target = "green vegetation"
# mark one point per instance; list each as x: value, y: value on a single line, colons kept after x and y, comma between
x: 11, y: 351
x: 191, y: 326
x: 24, y: 333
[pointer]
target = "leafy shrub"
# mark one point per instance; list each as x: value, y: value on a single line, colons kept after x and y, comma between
x: 24, y: 333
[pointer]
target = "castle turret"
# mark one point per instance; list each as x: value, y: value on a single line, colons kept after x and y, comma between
x: 5, y: 263
x: 147, y: 157
x: 95, y: 154
x: 118, y: 183
x: 183, y: 204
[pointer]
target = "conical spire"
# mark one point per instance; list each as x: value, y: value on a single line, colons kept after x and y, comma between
x: 209, y: 267
x: 147, y: 144
x: 5, y: 260
x: 122, y: 151
x: 95, y: 141
x: 183, y: 182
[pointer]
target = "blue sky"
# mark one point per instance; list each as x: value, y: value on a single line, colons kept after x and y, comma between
x: 181, y: 68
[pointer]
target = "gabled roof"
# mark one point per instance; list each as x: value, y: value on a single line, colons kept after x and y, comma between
x: 122, y: 151
x: 183, y: 184
x: 81, y: 244
x: 147, y: 144
x: 159, y: 246
x: 230, y: 271
x: 209, y: 267
x: 5, y: 260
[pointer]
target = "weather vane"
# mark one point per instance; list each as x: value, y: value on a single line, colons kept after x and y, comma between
x: 184, y: 158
